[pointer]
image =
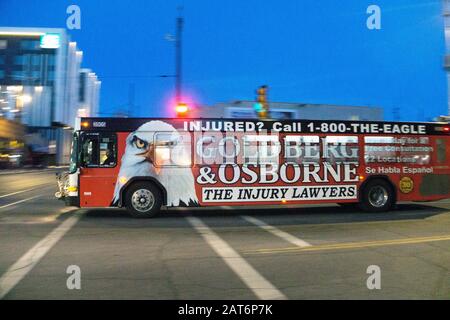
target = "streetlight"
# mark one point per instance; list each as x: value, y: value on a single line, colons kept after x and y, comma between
x: 21, y: 100
x: 25, y: 98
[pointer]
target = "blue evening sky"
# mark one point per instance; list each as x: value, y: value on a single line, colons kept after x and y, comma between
x: 306, y: 51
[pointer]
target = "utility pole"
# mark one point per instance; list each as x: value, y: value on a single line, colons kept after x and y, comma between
x: 181, y: 108
x: 178, y: 55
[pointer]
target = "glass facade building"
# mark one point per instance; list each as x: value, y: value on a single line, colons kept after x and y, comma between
x: 40, y: 70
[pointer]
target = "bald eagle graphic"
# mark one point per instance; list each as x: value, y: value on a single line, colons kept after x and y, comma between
x: 173, y: 160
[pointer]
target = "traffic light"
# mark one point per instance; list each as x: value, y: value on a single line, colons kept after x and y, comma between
x: 182, y: 110
x: 261, y: 106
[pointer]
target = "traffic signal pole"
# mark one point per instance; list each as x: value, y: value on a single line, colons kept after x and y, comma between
x: 262, y: 105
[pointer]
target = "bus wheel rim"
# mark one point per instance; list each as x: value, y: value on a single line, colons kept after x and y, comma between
x: 378, y: 196
x: 142, y: 200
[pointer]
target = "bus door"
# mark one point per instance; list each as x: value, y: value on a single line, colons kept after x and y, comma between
x: 98, y: 172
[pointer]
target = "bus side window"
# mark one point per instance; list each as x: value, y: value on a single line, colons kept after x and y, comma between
x: 441, y: 151
x: 261, y: 149
x: 338, y: 149
x: 172, y: 149
x: 99, y: 150
x: 378, y: 147
x: 90, y: 151
x: 108, y: 150
x: 301, y: 149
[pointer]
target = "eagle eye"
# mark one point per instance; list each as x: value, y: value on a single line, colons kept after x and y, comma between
x: 139, y: 143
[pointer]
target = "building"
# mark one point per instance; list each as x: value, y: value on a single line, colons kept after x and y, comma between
x: 287, y: 110
x: 41, y: 82
x: 88, y: 93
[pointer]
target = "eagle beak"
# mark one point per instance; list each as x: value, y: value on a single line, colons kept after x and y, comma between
x: 148, y: 154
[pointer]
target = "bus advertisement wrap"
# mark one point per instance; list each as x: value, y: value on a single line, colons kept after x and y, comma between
x: 146, y: 163
x: 260, y: 166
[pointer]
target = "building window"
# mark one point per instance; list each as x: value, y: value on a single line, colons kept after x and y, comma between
x: 36, y: 60
x: 81, y: 89
x: 2, y: 74
x: 29, y: 44
x: 18, y: 75
x: 20, y: 60
x: 36, y: 74
x: 3, y: 44
x: 2, y: 60
x: 51, y: 60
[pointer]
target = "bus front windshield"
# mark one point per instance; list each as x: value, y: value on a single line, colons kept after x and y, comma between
x: 74, y: 154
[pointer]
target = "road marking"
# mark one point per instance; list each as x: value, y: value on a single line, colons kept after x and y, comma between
x: 260, y: 286
x: 353, y: 245
x: 51, y: 218
x: 20, y: 201
x: 277, y: 232
x: 35, y: 171
x: 42, y: 186
x: 17, y: 192
x: 29, y: 260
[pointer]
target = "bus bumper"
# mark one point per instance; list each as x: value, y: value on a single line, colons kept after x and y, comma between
x: 72, y: 201
x: 68, y: 189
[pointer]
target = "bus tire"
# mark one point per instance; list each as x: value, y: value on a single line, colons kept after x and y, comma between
x: 143, y: 200
x: 377, y: 196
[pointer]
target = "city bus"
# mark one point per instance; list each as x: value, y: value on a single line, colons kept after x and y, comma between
x: 143, y: 164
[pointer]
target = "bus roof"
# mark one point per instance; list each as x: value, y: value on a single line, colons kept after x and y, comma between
x: 291, y: 126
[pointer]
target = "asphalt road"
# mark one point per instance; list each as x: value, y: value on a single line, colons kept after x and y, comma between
x: 315, y: 252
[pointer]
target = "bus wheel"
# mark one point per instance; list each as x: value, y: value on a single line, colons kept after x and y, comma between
x: 377, y: 196
x: 143, y: 200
